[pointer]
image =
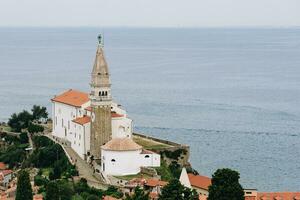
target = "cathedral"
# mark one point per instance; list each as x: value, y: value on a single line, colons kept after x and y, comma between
x: 97, y: 128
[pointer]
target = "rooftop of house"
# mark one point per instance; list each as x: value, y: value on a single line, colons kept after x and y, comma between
x: 199, y: 181
x: 109, y: 198
x: 278, y: 196
x: 38, y: 197
x: 72, y: 97
x: 155, y: 182
x: 121, y: 144
x: 82, y: 120
x: 2, y: 166
x: 6, y: 172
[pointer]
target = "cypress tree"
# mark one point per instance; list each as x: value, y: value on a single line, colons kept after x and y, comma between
x: 24, y: 190
x: 52, y: 191
x: 225, y: 186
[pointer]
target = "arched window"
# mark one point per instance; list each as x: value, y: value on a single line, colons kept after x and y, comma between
x: 99, y: 93
x: 113, y: 160
x: 147, y: 156
x: 102, y: 93
x: 105, y: 93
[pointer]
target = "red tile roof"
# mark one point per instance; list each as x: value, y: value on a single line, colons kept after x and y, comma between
x: 278, y: 196
x: 155, y: 182
x: 2, y: 166
x: 153, y: 195
x: 82, y: 120
x: 6, y: 172
x: 199, y: 181
x: 145, y: 151
x: 109, y: 198
x: 114, y: 114
x: 38, y: 197
x: 72, y: 97
x: 202, y: 197
x: 89, y: 108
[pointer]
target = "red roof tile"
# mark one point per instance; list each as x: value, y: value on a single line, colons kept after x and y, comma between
x: 109, y: 198
x: 89, y: 108
x: 199, y: 181
x: 6, y: 172
x: 278, y: 196
x: 72, y: 97
x: 145, y: 151
x: 2, y: 166
x: 153, y: 195
x: 114, y: 115
x: 82, y: 120
x: 155, y: 182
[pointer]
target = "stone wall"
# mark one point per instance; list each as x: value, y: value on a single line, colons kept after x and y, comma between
x: 173, y: 152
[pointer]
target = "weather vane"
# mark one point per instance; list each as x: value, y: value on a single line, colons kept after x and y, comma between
x: 100, y: 40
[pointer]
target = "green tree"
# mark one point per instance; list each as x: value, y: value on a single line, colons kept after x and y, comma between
x: 39, y: 112
x: 17, y: 122
x: 226, y: 186
x: 24, y: 190
x: 66, y: 190
x: 93, y: 197
x: 35, y: 128
x: 176, y: 191
x: 114, y: 192
x: 23, y: 138
x: 52, y: 191
x: 139, y: 194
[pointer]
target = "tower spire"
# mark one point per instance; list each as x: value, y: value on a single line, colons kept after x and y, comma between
x: 100, y: 82
x: 101, y: 40
x: 101, y: 101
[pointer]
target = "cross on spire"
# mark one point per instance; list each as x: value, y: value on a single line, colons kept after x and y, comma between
x: 100, y: 40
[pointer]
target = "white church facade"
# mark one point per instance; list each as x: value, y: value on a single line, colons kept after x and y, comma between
x: 98, y: 128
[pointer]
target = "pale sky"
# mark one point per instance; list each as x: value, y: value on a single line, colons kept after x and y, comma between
x: 153, y: 13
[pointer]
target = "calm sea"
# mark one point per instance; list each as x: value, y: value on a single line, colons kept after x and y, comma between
x: 233, y: 95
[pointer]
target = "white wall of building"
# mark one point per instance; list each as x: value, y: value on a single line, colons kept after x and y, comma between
x: 150, y: 160
x: 80, y: 141
x: 120, y: 163
x: 62, y: 119
x: 121, y: 127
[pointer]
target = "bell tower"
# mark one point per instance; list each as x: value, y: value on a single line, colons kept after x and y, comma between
x: 101, y: 100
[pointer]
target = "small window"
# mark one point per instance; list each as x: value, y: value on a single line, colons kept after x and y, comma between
x: 113, y: 160
x: 147, y: 156
x: 100, y: 93
x: 105, y: 93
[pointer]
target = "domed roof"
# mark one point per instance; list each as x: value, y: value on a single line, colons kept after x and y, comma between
x: 121, y: 144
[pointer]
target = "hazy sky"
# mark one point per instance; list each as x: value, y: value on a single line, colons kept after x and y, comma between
x: 178, y: 13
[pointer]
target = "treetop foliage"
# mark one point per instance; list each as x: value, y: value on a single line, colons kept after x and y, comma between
x: 24, y: 190
x: 226, y: 186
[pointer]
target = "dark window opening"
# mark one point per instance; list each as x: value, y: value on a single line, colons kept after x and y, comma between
x: 113, y: 160
x: 147, y: 156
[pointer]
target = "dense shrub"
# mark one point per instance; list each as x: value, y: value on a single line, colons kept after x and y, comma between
x: 13, y: 155
x: 19, y: 121
x: 35, y: 128
x: 23, y: 138
x: 174, y: 154
x: 40, y: 180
